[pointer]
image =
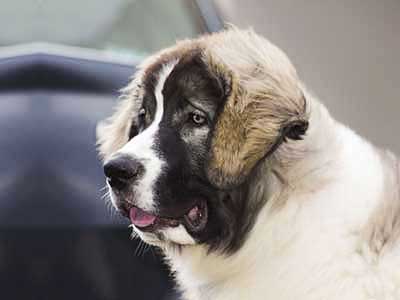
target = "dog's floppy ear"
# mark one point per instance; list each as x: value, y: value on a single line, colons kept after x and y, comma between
x: 259, y: 114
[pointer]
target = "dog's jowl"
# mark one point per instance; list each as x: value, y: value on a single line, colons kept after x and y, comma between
x: 219, y: 155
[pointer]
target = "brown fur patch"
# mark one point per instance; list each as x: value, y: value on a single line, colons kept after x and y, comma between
x: 265, y: 95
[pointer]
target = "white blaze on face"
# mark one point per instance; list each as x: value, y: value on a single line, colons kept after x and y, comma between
x: 141, y: 147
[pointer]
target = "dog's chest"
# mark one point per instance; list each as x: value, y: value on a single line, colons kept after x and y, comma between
x: 222, y: 291
x: 205, y: 277
x: 311, y: 269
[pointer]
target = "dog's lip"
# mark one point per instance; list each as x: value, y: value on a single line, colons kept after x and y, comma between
x: 194, y: 219
x: 147, y: 221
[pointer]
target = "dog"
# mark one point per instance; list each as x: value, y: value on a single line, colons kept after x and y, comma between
x: 220, y: 156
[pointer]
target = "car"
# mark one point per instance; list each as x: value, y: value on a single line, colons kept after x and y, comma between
x: 59, y: 239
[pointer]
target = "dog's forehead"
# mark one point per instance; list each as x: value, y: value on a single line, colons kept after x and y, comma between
x: 189, y: 79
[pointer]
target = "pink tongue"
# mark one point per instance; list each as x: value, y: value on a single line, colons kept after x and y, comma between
x: 141, y: 218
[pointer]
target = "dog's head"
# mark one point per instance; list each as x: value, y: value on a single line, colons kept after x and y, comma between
x: 192, y: 127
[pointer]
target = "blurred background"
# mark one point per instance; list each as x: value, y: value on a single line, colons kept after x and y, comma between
x: 62, y: 64
x: 346, y: 51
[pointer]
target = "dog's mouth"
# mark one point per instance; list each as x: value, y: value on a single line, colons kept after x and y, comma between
x: 194, y: 220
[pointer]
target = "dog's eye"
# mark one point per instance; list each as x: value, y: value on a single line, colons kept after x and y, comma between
x: 141, y: 119
x: 142, y: 113
x: 198, y: 119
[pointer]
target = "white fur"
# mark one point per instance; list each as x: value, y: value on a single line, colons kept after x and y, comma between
x: 178, y: 235
x: 142, y: 148
x: 310, y: 248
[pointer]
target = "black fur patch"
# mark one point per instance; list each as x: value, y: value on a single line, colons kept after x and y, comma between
x: 183, y: 183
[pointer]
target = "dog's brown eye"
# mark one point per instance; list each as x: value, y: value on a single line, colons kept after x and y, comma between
x: 142, y: 113
x: 198, y: 119
x: 142, y: 116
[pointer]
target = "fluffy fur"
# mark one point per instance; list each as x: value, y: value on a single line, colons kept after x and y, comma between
x: 320, y: 214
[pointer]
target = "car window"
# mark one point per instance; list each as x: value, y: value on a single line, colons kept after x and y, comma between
x: 120, y: 27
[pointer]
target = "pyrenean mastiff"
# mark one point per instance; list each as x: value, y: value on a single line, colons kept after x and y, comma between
x: 219, y: 155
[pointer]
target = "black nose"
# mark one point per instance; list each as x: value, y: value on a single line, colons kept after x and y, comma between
x: 122, y: 170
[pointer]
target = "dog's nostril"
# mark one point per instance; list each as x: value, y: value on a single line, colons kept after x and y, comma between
x: 122, y: 170
x: 117, y: 171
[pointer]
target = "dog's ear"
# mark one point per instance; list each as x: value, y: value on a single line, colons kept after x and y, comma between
x: 113, y: 132
x: 259, y: 114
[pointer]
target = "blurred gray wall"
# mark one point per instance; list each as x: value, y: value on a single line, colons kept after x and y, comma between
x: 346, y: 51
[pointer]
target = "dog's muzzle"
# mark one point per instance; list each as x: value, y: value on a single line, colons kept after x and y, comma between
x: 122, y: 172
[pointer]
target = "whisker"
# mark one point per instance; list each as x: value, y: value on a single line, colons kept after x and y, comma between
x: 104, y: 188
x: 139, y: 248
x: 109, y: 205
x: 147, y: 249
x: 106, y: 194
x: 133, y: 233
